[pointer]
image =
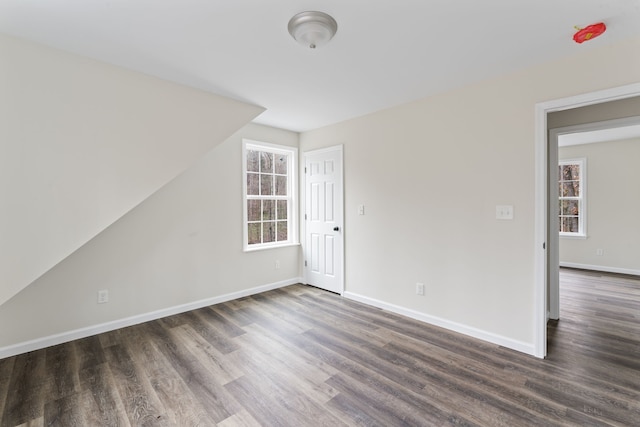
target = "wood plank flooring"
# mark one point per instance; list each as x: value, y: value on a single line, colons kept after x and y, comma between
x: 299, y: 356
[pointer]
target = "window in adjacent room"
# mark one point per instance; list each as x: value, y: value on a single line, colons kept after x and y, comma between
x: 572, y: 195
x: 269, y: 195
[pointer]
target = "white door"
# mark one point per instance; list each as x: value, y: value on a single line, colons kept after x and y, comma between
x: 323, y: 219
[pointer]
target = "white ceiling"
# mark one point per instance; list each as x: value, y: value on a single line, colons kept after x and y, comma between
x: 385, y: 52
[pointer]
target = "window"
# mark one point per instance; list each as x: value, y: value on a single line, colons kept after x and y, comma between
x: 269, y: 195
x: 572, y: 193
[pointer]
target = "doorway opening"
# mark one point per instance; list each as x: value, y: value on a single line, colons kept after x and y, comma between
x: 577, y: 143
x: 544, y: 266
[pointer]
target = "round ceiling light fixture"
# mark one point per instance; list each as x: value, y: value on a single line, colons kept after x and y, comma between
x: 312, y: 29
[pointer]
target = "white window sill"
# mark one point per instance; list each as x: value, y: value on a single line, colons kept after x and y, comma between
x: 264, y: 247
x: 572, y: 236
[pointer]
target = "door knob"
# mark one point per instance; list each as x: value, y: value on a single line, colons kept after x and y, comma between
x: 336, y: 228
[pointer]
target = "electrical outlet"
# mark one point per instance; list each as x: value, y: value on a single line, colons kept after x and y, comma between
x: 599, y: 252
x: 504, y: 212
x: 419, y: 288
x: 103, y: 296
x: 277, y: 264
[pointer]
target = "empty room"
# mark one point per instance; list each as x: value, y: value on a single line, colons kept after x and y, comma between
x: 302, y: 213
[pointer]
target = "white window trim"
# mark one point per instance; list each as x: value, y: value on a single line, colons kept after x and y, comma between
x: 292, y: 191
x: 582, y: 218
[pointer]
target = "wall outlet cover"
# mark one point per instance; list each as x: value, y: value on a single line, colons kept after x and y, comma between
x: 504, y: 212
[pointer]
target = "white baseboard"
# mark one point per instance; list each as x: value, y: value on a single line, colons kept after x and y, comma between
x: 527, y: 348
x: 63, y: 337
x: 600, y: 268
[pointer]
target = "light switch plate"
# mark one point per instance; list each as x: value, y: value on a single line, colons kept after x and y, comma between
x: 103, y: 296
x: 504, y: 212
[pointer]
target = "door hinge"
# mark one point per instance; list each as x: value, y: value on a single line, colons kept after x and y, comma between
x: 305, y: 262
x: 305, y: 217
x: 544, y: 245
x: 305, y: 169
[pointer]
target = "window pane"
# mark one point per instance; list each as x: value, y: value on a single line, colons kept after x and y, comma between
x: 253, y: 180
x: 254, y: 231
x: 282, y: 231
x: 266, y: 162
x: 281, y: 185
x: 268, y: 210
x: 570, y: 189
x: 252, y: 161
x: 253, y: 210
x: 576, y: 188
x: 575, y: 172
x: 569, y: 207
x: 282, y: 209
x: 570, y: 172
x: 569, y: 225
x: 266, y: 186
x: 269, y: 232
x: 281, y: 163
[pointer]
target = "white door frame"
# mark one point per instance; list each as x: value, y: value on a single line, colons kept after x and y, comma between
x: 541, y: 195
x: 303, y: 199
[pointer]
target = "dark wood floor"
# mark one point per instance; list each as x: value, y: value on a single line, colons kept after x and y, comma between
x: 299, y: 356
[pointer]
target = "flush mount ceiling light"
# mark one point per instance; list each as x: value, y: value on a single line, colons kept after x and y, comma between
x: 312, y: 29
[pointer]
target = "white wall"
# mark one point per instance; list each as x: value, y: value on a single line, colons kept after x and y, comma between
x: 613, y: 207
x: 83, y: 142
x: 431, y: 173
x: 181, y: 245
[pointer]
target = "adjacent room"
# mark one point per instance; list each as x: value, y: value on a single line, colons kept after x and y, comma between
x: 319, y: 213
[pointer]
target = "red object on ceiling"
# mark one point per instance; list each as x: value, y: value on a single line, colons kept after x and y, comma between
x: 590, y: 32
